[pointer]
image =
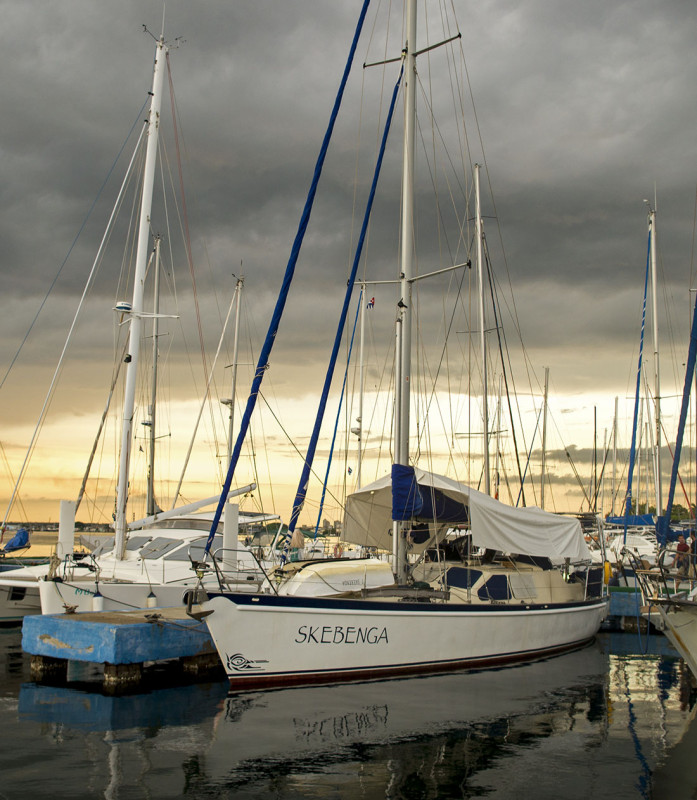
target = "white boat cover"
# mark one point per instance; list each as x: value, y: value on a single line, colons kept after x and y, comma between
x: 526, y: 531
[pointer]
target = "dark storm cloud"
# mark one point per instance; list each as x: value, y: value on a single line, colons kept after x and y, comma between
x: 583, y: 108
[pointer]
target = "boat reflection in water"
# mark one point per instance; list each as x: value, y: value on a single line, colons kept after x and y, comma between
x: 586, y: 723
x: 676, y: 777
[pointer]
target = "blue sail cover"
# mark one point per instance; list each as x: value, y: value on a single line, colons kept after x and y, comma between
x: 18, y: 541
x: 412, y: 501
x: 633, y: 519
x: 438, y: 507
x: 407, y: 501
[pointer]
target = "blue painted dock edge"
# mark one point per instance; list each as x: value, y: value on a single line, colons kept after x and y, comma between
x: 116, y: 638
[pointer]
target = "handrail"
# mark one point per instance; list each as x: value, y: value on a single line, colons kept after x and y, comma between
x: 649, y: 581
x: 201, y: 568
x: 642, y: 575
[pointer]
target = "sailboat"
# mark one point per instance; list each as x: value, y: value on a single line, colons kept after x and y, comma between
x: 669, y: 590
x: 148, y: 562
x: 533, y: 594
x: 637, y: 533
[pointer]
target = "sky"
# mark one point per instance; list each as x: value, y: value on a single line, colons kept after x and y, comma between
x: 585, y: 110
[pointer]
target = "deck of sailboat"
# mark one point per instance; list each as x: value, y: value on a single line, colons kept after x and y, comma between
x: 455, y: 585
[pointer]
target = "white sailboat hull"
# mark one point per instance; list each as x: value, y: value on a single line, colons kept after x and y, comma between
x: 680, y: 621
x: 265, y: 640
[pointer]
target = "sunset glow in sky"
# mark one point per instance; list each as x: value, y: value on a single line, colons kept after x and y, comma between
x: 585, y: 110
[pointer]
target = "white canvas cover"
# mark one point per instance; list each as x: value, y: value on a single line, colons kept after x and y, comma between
x: 527, y: 531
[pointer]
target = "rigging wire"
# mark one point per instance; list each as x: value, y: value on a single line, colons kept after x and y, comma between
x: 302, y: 486
x: 501, y: 338
x: 59, y: 367
x: 267, y: 347
x: 19, y: 500
x: 187, y: 238
x: 436, y: 129
x: 338, y: 414
x: 204, y: 402
x: 102, y: 422
x: 74, y: 242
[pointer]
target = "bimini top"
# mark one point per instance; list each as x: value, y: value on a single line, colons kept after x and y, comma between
x: 431, y: 498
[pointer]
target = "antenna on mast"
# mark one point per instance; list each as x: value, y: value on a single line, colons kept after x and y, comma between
x: 175, y: 43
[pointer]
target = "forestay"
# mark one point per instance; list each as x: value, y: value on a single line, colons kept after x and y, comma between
x: 494, y: 525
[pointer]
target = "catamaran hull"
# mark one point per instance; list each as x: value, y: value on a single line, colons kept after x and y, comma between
x: 266, y: 641
x: 17, y: 602
x: 56, y: 596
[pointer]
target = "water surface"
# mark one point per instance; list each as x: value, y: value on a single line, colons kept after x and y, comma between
x: 613, y: 720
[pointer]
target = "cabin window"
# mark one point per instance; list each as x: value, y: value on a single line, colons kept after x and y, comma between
x: 523, y: 586
x: 16, y: 594
x: 195, y: 550
x: 462, y: 577
x: 136, y: 542
x: 496, y: 588
x: 594, y: 587
x: 104, y: 546
x: 419, y: 534
x: 159, y: 546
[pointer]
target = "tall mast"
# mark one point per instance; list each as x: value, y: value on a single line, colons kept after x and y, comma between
x: 544, y: 440
x: 150, y: 504
x: 614, y: 458
x: 497, y: 457
x: 137, y: 304
x: 407, y: 243
x: 404, y: 315
x: 358, y: 430
x: 594, y: 475
x: 233, y: 383
x: 482, y: 332
x: 657, y: 376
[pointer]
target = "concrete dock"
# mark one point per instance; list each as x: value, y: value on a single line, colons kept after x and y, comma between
x: 628, y: 612
x: 122, y: 642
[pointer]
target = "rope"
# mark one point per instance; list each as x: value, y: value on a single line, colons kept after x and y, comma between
x: 263, y: 362
x: 206, y: 395
x: 361, y: 300
x: 90, y: 460
x: 664, y: 521
x: 185, y: 216
x: 189, y: 254
x: 304, y: 477
x: 632, y: 452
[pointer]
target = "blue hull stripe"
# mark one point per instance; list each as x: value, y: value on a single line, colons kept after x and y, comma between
x: 406, y: 607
